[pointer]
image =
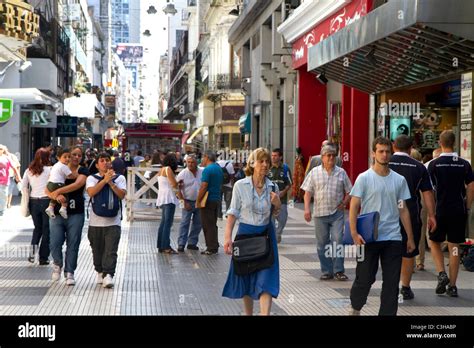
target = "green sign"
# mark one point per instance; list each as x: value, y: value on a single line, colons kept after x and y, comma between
x: 6, y: 110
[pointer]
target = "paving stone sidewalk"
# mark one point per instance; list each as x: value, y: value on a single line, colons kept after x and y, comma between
x: 149, y: 283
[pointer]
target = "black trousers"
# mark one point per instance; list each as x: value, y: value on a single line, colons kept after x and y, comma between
x: 41, y: 222
x: 104, y: 243
x: 209, y: 224
x: 390, y: 255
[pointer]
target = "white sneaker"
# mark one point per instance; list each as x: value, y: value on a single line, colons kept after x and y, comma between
x: 70, y: 279
x: 50, y: 212
x: 63, y: 212
x: 108, y: 282
x: 100, y: 278
x: 56, y: 273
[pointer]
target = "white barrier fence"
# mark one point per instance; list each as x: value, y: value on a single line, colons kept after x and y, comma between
x: 141, y: 202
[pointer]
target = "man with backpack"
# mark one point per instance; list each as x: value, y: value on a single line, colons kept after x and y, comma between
x: 229, y: 173
x: 106, y: 191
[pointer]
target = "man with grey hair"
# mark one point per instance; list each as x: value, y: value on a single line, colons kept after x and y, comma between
x: 211, y: 182
x: 317, y: 160
x: 329, y: 185
x: 189, y: 180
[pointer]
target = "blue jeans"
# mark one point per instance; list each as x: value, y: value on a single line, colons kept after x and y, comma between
x: 329, y: 229
x: 3, y: 198
x: 281, y: 220
x: 165, y: 226
x: 184, y: 226
x: 69, y: 230
x: 41, y: 221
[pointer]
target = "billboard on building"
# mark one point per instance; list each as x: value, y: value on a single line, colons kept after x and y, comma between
x: 110, y: 103
x: 130, y: 53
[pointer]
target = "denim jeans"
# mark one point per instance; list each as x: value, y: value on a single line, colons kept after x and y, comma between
x: 3, y: 198
x: 184, y: 226
x: 280, y: 221
x: 227, y: 194
x: 164, y: 230
x: 69, y: 230
x: 329, y: 229
x: 41, y: 232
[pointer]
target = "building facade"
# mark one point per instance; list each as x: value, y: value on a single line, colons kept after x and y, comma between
x: 268, y: 80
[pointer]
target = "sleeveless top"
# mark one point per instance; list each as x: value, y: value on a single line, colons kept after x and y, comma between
x: 166, y: 194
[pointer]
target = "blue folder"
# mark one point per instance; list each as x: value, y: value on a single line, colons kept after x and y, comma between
x: 367, y: 226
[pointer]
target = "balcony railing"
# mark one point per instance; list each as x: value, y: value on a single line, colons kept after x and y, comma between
x: 224, y: 82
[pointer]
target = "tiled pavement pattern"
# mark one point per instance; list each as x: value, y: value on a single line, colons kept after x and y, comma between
x: 149, y: 283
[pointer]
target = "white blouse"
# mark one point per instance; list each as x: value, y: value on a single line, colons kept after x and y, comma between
x: 36, y: 182
x: 247, y: 206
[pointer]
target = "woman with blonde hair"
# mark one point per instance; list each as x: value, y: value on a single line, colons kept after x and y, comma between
x: 254, y: 199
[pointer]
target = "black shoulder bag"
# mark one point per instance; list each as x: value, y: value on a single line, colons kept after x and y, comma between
x: 253, y: 252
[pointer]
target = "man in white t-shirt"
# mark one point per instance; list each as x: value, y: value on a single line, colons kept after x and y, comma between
x: 189, y: 183
x: 228, y: 184
x: 382, y: 190
x: 104, y: 230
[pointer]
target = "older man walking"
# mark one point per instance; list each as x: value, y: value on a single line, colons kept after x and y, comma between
x: 330, y: 186
x: 189, y: 182
x: 211, y: 182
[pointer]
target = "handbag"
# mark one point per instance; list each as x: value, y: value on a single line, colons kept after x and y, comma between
x: 25, y: 200
x: 253, y: 252
x: 367, y: 226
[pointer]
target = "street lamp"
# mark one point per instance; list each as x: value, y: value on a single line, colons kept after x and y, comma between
x: 170, y: 9
x: 235, y: 11
x: 152, y: 10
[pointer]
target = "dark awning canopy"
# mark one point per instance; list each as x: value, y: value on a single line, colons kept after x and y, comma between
x: 401, y: 43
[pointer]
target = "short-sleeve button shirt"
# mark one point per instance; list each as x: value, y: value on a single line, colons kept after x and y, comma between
x: 328, y: 189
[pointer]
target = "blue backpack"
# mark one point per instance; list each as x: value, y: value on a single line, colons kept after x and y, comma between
x: 106, y: 203
x: 468, y: 259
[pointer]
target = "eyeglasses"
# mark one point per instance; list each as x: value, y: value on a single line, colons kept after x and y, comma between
x: 330, y: 155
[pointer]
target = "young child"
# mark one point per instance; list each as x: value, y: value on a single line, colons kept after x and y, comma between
x: 57, y: 178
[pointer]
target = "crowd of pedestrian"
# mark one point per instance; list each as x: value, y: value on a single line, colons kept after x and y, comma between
x: 419, y: 205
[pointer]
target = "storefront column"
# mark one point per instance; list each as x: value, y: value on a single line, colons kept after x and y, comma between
x: 346, y: 127
x: 359, y: 133
x: 311, y: 113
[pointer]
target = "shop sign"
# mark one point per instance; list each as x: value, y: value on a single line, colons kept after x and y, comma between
x: 399, y: 126
x: 451, y: 93
x: 43, y: 119
x: 18, y: 20
x: 110, y: 103
x: 466, y: 144
x: 6, y: 110
x: 67, y: 127
x: 466, y: 97
x: 349, y: 14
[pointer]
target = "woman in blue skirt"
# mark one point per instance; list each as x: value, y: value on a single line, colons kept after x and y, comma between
x: 252, y: 201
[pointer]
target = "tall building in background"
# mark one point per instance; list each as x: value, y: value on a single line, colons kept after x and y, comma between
x: 125, y: 21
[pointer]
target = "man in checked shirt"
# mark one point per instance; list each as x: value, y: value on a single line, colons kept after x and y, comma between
x: 330, y: 186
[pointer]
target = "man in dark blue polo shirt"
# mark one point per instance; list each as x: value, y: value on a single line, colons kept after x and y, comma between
x: 453, y: 180
x: 211, y: 182
x: 418, y: 180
